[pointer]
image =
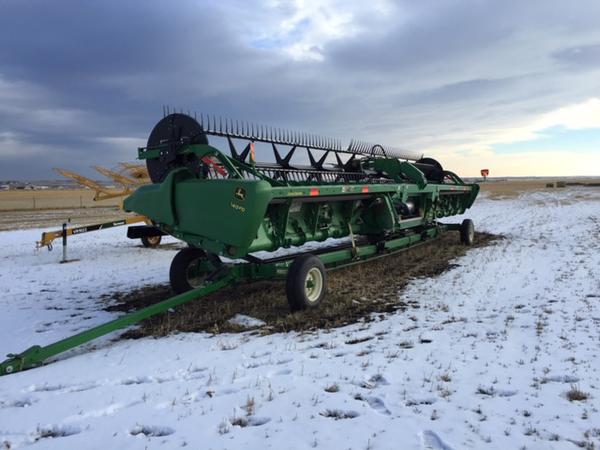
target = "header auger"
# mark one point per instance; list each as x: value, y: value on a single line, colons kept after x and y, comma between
x: 231, y: 209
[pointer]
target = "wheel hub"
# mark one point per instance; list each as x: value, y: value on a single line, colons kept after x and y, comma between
x: 314, y: 284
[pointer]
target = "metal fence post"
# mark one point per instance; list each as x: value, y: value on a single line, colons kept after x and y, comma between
x: 64, y: 242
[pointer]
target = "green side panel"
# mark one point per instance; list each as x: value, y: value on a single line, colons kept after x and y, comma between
x: 221, y: 213
x: 156, y: 200
x: 222, y: 216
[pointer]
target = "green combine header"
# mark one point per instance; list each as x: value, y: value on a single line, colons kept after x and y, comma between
x: 235, y: 212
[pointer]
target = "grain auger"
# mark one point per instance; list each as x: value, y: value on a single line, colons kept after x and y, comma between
x: 349, y: 203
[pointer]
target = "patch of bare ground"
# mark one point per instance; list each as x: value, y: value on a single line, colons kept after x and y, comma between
x: 354, y: 293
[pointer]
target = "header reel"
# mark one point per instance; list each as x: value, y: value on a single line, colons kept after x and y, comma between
x: 177, y: 130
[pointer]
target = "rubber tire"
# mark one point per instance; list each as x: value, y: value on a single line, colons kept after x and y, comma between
x: 179, y: 267
x: 146, y: 241
x: 467, y: 232
x: 296, y: 281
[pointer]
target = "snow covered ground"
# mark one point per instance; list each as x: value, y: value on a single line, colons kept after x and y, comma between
x: 489, y: 360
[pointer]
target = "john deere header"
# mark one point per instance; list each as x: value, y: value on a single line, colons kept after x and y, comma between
x: 232, y: 205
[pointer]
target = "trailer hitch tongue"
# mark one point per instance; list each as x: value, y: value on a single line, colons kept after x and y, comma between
x: 20, y: 361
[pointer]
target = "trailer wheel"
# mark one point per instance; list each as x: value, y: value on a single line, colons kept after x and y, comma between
x: 190, y: 267
x: 151, y: 241
x: 467, y: 232
x: 306, y: 283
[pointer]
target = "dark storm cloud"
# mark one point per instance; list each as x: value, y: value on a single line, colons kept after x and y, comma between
x: 82, y: 82
x: 109, y: 66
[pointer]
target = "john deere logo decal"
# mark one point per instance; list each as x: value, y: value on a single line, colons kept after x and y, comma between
x: 240, y: 193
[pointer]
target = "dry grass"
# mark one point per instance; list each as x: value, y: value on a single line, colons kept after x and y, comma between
x: 576, y: 395
x: 354, y: 293
x: 513, y: 188
x: 15, y: 200
x: 50, y: 208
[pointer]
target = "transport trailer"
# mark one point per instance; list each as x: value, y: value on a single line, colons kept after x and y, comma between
x: 379, y: 200
x: 148, y: 234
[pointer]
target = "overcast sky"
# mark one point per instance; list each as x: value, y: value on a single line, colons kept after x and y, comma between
x: 512, y: 86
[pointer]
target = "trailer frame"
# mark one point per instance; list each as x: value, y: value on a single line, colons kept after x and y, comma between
x: 343, y: 255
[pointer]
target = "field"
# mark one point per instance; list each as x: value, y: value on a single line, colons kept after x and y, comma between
x: 17, y: 200
x: 489, y: 347
x: 20, y: 209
